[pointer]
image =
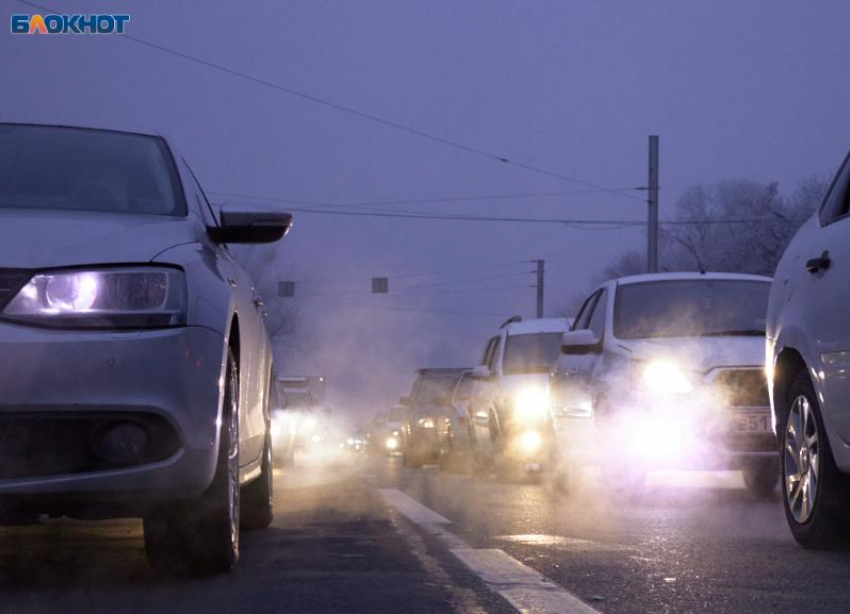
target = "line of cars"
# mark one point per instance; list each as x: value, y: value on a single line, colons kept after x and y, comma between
x: 671, y: 371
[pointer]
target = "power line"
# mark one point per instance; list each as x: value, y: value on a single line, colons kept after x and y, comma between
x: 425, y: 201
x: 416, y: 273
x: 436, y: 311
x: 466, y: 281
x: 354, y: 112
x: 408, y: 292
x: 574, y: 223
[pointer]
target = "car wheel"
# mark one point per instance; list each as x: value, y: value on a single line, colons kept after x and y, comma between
x: 813, y: 489
x: 762, y: 478
x: 202, y: 535
x: 258, y: 496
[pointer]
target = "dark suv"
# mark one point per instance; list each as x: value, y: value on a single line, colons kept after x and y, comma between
x: 429, y: 406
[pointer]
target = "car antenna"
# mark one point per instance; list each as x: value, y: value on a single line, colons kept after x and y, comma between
x: 511, y: 320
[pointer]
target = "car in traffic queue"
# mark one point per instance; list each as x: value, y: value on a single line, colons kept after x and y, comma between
x: 509, y: 408
x: 808, y: 357
x: 666, y: 371
x: 284, y: 427
x: 389, y: 437
x: 454, y: 432
x: 427, y: 407
x: 136, y: 366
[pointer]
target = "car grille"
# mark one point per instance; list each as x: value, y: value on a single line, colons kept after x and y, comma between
x: 743, y: 387
x: 11, y: 280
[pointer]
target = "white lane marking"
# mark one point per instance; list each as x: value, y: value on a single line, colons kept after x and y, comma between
x: 527, y: 590
x: 411, y: 508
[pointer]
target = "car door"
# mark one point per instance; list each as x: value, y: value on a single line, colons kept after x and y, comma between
x: 483, y: 396
x: 825, y: 285
x: 572, y: 393
x: 254, y: 351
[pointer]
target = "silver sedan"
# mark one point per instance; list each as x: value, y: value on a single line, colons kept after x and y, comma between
x: 136, y: 366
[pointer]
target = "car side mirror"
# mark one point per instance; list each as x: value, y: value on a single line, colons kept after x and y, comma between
x: 482, y: 372
x: 250, y: 227
x: 578, y: 342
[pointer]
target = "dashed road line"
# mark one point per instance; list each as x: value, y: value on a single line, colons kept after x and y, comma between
x: 527, y: 590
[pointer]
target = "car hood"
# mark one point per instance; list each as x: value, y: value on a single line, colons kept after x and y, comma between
x: 701, y: 353
x: 44, y: 239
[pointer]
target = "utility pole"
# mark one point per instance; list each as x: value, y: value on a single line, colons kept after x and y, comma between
x: 539, y: 287
x: 652, y: 201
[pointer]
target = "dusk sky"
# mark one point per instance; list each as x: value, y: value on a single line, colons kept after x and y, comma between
x: 752, y: 90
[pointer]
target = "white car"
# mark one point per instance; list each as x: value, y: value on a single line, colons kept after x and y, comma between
x: 136, y: 367
x: 666, y: 371
x: 509, y: 404
x: 808, y: 353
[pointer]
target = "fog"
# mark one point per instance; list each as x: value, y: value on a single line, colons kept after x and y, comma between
x: 734, y: 91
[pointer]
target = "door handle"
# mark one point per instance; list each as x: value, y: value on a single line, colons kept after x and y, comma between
x: 258, y: 301
x: 819, y: 264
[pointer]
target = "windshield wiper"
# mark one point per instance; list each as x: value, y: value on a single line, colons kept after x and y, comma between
x: 734, y: 333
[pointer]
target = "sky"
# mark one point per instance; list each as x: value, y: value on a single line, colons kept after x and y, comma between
x: 753, y: 90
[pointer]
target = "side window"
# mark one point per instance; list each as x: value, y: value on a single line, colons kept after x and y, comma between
x: 488, y: 351
x: 584, y: 313
x: 494, y: 354
x: 836, y: 204
x: 597, y: 318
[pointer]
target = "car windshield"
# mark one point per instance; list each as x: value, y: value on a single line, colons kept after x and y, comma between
x: 430, y: 386
x: 691, y: 308
x: 464, y: 388
x: 396, y: 414
x: 74, y: 169
x: 531, y: 353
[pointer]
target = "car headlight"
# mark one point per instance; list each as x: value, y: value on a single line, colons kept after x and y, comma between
x: 426, y: 423
x: 531, y: 403
x: 664, y: 377
x: 137, y: 297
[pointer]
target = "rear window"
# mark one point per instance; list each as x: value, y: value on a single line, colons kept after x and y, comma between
x: 49, y: 167
x: 430, y: 386
x: 396, y: 414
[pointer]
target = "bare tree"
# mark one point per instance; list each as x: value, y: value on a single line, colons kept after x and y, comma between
x: 733, y: 226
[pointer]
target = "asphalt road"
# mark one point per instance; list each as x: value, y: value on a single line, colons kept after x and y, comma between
x: 693, y: 543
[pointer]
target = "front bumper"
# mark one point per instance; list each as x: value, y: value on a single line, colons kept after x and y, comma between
x: 678, y: 434
x: 172, y: 375
x: 423, y: 443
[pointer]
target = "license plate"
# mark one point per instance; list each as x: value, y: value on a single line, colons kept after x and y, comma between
x: 754, y: 422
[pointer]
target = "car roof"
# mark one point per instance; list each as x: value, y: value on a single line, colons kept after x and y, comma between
x: 538, y: 325
x: 688, y: 276
x: 441, y: 370
x: 101, y: 128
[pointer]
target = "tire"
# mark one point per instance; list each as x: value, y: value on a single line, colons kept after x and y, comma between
x: 762, y: 478
x: 815, y: 514
x: 258, y: 496
x: 201, y: 536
